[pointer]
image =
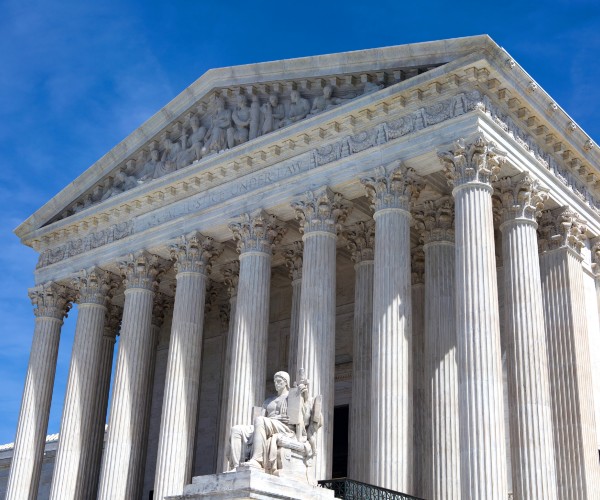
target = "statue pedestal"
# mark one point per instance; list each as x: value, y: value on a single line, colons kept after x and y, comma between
x: 250, y: 483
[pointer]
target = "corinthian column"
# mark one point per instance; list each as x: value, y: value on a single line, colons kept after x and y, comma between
x: 561, y: 238
x: 361, y: 241
x: 596, y: 269
x: 532, y: 453
x: 420, y: 395
x: 471, y: 168
x: 72, y: 470
x: 319, y: 213
x: 293, y: 261
x: 193, y: 256
x: 51, y: 304
x: 112, y: 324
x: 125, y: 446
x: 442, y: 478
x: 256, y: 234
x: 231, y: 275
x: 391, y: 192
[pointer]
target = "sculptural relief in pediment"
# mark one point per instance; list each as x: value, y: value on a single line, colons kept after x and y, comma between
x: 229, y: 117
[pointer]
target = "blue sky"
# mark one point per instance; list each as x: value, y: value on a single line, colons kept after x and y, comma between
x: 77, y: 77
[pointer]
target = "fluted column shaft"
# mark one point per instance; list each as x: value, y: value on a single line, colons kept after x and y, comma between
x: 72, y: 469
x: 441, y: 477
x: 124, y: 451
x: 180, y: 401
x: 256, y: 235
x: 293, y: 259
x: 361, y: 242
x: 532, y: 453
x: 111, y: 326
x: 319, y: 213
x: 51, y: 307
x: 442, y: 371
x: 231, y: 275
x: 568, y: 357
x: 472, y: 167
x: 391, y: 192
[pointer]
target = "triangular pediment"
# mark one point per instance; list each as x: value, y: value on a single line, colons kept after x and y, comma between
x: 238, y: 109
x: 191, y: 127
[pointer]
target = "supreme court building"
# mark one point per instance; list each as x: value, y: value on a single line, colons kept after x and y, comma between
x: 418, y: 227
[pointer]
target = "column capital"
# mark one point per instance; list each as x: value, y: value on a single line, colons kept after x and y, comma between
x: 95, y: 286
x: 112, y: 324
x: 257, y: 232
x: 195, y: 253
x: 293, y: 259
x: 360, y: 240
x: 321, y: 210
x: 161, y: 306
x: 596, y: 257
x: 213, y: 290
x: 393, y: 186
x: 231, y: 277
x: 142, y: 270
x: 417, y: 265
x: 520, y: 197
x: 51, y: 300
x: 435, y: 220
x: 477, y: 161
x: 561, y: 228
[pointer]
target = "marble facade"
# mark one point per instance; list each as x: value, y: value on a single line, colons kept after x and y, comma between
x: 418, y: 227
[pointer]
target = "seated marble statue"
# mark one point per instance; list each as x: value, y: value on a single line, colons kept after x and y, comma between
x: 286, y: 422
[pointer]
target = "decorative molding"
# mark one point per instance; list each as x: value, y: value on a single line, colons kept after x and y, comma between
x: 519, y: 197
x: 472, y: 162
x: 561, y: 228
x: 195, y: 253
x: 321, y: 210
x: 257, y: 232
x: 435, y: 220
x: 393, y: 186
x: 360, y: 240
x: 293, y: 259
x: 51, y: 300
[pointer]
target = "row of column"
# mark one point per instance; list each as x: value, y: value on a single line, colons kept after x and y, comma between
x: 465, y: 439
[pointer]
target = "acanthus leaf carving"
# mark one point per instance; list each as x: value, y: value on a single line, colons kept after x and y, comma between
x: 561, y: 228
x: 321, y: 210
x: 435, y: 220
x: 519, y: 197
x: 293, y: 259
x: 360, y: 240
x: 142, y: 270
x: 195, y: 253
x: 393, y: 186
x: 95, y: 286
x: 51, y: 300
x: 257, y: 232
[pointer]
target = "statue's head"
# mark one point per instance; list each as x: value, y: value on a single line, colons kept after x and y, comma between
x: 280, y: 377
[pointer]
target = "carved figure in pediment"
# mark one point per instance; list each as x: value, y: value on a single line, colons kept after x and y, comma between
x: 124, y: 180
x: 240, y: 116
x: 273, y: 113
x: 171, y: 152
x: 254, y: 118
x: 152, y: 168
x: 371, y: 87
x: 283, y: 439
x: 298, y: 108
x: 216, y: 139
x: 192, y: 146
x: 325, y: 101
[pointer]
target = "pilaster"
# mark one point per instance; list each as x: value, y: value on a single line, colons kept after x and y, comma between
x: 361, y: 242
x: 392, y: 190
x: 471, y: 167
x: 51, y: 303
x: 320, y: 213
x: 193, y: 256
x: 561, y: 233
x: 520, y: 200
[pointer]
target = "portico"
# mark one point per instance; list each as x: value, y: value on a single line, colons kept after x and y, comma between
x: 265, y: 220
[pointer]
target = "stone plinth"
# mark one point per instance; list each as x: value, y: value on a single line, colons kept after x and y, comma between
x: 246, y: 483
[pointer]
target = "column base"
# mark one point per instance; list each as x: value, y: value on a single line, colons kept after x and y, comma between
x: 248, y: 483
